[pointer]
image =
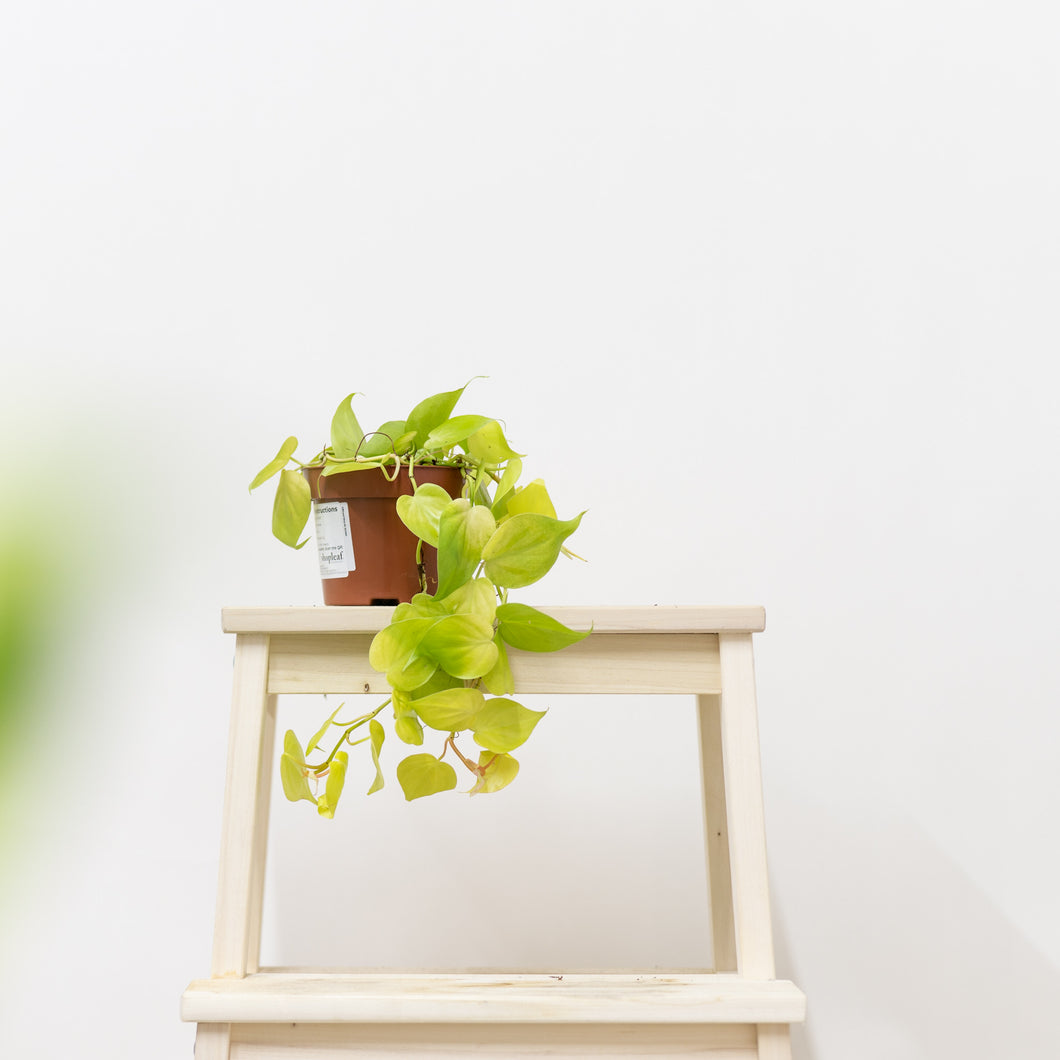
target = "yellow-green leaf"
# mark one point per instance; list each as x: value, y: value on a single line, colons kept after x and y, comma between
x: 293, y: 770
x: 290, y: 510
x: 528, y: 629
x: 461, y: 645
x: 421, y: 512
x: 375, y: 731
x: 503, y: 724
x: 346, y: 433
x: 533, y: 497
x: 489, y: 446
x: 382, y: 441
x: 476, y: 598
x: 430, y: 412
x: 497, y: 771
x: 525, y: 547
x: 499, y: 680
x: 512, y: 470
x: 423, y: 774
x: 453, y: 432
x: 396, y: 651
x: 463, y: 529
x: 450, y: 710
x: 341, y: 467
x: 333, y: 789
x: 319, y: 734
x: 277, y: 462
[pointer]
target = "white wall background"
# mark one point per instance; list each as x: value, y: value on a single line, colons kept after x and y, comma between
x: 770, y: 289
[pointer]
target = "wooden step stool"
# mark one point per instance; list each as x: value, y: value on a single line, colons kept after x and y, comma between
x: 737, y: 1011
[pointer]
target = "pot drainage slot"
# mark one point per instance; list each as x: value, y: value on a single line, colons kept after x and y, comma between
x: 385, y: 601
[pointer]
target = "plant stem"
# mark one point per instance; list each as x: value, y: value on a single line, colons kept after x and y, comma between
x: 317, y: 769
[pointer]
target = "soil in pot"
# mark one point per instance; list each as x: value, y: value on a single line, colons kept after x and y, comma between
x: 367, y: 554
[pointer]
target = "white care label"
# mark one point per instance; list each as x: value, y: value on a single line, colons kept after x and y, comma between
x: 334, y: 543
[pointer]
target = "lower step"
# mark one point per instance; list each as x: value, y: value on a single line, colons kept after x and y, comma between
x: 322, y: 997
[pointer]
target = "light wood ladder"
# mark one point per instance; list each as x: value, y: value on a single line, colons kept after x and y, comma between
x: 740, y: 1010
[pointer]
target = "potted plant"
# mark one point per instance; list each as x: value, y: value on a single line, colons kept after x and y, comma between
x: 448, y: 486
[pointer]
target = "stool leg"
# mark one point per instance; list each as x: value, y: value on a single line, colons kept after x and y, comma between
x: 235, y: 945
x: 212, y: 1041
x: 743, y: 801
x: 712, y: 774
x: 774, y: 1041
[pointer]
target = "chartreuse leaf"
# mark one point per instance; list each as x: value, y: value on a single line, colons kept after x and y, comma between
x: 461, y: 645
x: 506, y: 487
x: 533, y: 497
x: 451, y: 710
x: 346, y: 433
x: 293, y: 770
x: 476, y: 598
x: 430, y: 412
x: 290, y: 510
x: 319, y: 734
x: 525, y: 547
x: 488, y: 446
x: 382, y: 441
x: 277, y: 462
x: 423, y: 774
x: 378, y: 735
x: 498, y: 771
x: 403, y: 443
x: 454, y: 431
x: 439, y: 681
x: 503, y: 725
x: 463, y: 529
x: 527, y: 628
x: 396, y: 651
x: 407, y: 725
x: 333, y: 789
x: 421, y: 512
x: 394, y: 645
x: 340, y: 467
x: 499, y: 680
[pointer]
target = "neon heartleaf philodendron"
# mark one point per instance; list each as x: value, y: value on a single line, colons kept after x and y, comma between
x: 447, y: 655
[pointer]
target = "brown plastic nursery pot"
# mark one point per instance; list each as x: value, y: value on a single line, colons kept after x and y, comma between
x: 358, y: 530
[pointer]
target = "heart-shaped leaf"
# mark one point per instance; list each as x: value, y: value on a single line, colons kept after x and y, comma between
x: 277, y: 462
x: 346, y: 433
x: 525, y: 547
x: 290, y: 510
x: 396, y: 651
x: 461, y: 645
x: 421, y: 512
x: 453, y: 432
x: 533, y: 497
x: 503, y: 724
x: 333, y: 789
x: 497, y: 771
x: 293, y: 770
x: 407, y: 725
x: 423, y: 774
x: 528, y: 629
x: 319, y: 734
x: 382, y: 441
x: 463, y: 530
x: 499, y: 680
x: 431, y: 412
x: 488, y: 446
x: 451, y: 710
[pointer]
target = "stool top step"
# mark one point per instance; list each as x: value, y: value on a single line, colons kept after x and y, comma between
x: 664, y: 618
